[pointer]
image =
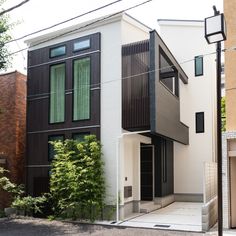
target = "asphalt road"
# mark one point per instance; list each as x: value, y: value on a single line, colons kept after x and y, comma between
x: 41, y: 227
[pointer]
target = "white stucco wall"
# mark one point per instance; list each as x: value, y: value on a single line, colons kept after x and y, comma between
x: 186, y: 40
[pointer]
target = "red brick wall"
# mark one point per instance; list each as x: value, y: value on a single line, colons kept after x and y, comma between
x: 12, y: 126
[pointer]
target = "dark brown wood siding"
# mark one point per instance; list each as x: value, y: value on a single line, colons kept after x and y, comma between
x: 38, y: 99
x: 135, y: 86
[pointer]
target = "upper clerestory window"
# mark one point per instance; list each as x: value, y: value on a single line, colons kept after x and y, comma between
x: 81, y: 45
x: 58, y: 51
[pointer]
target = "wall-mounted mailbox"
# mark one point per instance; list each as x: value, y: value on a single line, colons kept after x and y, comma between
x: 127, y: 191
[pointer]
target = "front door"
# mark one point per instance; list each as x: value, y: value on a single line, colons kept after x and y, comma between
x: 232, y: 164
x: 146, y: 173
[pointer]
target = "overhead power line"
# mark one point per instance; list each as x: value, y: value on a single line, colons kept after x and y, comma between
x: 84, y: 26
x: 63, y: 22
x: 14, y: 7
x: 96, y: 85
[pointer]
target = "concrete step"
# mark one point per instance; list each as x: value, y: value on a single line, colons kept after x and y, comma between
x: 147, y: 207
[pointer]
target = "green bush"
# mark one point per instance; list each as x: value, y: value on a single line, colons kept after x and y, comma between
x: 29, y: 205
x: 77, y: 182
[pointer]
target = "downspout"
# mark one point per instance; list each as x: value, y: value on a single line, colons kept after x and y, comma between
x: 117, y: 166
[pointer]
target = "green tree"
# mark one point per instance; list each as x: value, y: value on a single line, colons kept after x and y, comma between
x: 223, y: 114
x: 77, y: 181
x: 5, y: 26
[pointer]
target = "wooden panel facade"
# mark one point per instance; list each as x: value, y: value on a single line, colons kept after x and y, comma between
x: 135, y: 86
x: 39, y: 128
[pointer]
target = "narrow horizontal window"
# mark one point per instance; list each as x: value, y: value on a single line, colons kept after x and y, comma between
x: 57, y: 93
x: 199, y: 122
x: 81, y: 45
x: 198, y: 62
x: 79, y: 136
x: 81, y: 108
x: 51, y: 151
x: 58, y: 51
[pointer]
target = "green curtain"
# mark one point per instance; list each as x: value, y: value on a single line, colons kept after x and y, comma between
x: 81, y: 89
x: 57, y: 93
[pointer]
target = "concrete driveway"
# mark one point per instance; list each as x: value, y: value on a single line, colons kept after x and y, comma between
x: 184, y: 216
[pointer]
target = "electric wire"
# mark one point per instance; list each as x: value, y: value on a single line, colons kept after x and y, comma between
x: 62, y: 22
x: 83, y: 26
x: 97, y: 85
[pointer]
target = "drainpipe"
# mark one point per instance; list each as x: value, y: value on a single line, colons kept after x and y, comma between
x: 117, y: 166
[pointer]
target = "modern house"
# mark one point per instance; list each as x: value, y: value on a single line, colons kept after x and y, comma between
x: 116, y: 78
x: 229, y: 137
x: 13, y: 128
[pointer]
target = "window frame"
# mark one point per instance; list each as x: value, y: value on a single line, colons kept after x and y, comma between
x: 50, y: 136
x: 195, y: 66
x: 80, y: 133
x: 198, y: 131
x: 79, y: 41
x: 53, y: 48
x: 73, y: 82
x: 49, y: 105
x: 175, y: 78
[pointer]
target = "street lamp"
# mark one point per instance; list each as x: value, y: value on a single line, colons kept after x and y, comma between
x: 215, y: 32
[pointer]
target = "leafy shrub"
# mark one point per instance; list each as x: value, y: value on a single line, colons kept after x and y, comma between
x: 8, y: 186
x: 29, y: 205
x: 77, y: 183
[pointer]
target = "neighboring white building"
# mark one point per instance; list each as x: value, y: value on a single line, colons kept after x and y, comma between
x: 185, y: 39
x: 146, y: 107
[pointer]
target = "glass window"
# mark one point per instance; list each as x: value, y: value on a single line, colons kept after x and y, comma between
x: 57, y: 93
x: 58, y: 51
x: 81, y: 45
x: 79, y: 136
x: 200, y: 122
x: 51, y: 151
x: 81, y: 106
x: 168, y: 74
x: 198, y: 61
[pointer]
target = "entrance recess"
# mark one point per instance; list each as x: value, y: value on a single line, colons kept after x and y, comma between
x: 146, y: 173
x: 232, y: 164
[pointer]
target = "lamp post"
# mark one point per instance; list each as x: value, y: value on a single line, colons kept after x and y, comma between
x: 215, y: 32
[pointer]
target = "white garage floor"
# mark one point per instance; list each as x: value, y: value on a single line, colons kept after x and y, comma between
x: 177, y: 216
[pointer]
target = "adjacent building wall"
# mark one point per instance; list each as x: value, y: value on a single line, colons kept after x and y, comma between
x: 230, y: 68
x: 12, y: 123
x: 198, y: 96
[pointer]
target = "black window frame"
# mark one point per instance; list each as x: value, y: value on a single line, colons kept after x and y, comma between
x: 174, y: 75
x: 195, y: 65
x: 49, y: 105
x: 83, y: 48
x: 53, y: 48
x: 73, y: 82
x: 200, y: 128
x: 80, y: 133
x: 49, y: 145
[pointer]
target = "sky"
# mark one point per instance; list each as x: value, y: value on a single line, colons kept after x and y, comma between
x: 38, y: 14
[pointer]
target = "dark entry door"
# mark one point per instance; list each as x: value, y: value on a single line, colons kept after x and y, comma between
x: 146, y: 173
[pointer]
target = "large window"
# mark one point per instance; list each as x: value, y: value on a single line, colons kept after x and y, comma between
x: 57, y: 93
x: 51, y: 151
x: 81, y: 106
x: 200, y: 122
x: 198, y: 64
x: 168, y: 74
